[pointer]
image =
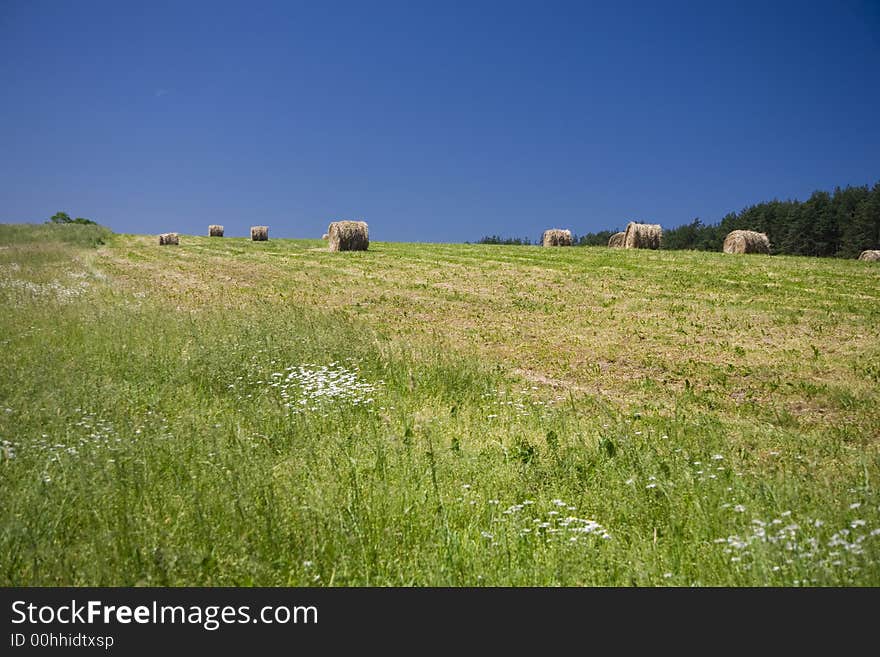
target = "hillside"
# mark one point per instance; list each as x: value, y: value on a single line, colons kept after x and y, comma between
x: 227, y: 412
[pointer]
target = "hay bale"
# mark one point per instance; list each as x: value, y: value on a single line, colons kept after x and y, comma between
x: 616, y: 240
x: 870, y: 256
x: 325, y: 236
x: 556, y: 237
x: 215, y: 230
x: 746, y: 241
x: 259, y: 233
x: 642, y: 236
x: 168, y: 238
x: 348, y: 236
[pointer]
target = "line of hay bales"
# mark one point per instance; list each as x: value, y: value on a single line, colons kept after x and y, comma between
x: 354, y: 236
x: 556, y: 237
x: 746, y: 241
x: 348, y: 236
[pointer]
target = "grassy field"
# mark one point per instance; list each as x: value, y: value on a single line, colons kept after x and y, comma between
x: 236, y: 413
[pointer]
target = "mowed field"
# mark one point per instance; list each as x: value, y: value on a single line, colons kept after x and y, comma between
x: 228, y: 412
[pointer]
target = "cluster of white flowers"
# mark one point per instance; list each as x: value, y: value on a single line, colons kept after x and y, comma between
x: 311, y: 387
x: 7, y: 450
x: 710, y: 473
x: 100, y: 434
x: 93, y: 273
x: 848, y: 541
x: 43, y: 290
x: 804, y: 544
x: 524, y: 405
x: 774, y: 532
x: 704, y: 472
x: 95, y: 433
x: 554, y: 524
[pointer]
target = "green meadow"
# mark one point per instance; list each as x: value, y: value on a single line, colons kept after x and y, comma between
x: 228, y: 412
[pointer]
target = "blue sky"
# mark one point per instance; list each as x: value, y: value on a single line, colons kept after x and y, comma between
x: 434, y: 121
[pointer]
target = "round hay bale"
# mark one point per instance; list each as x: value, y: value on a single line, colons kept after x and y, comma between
x: 325, y: 236
x: 215, y: 230
x: 259, y: 233
x: 348, y: 236
x: 616, y: 240
x: 746, y: 241
x: 556, y: 237
x: 168, y: 238
x: 642, y: 236
x: 870, y: 256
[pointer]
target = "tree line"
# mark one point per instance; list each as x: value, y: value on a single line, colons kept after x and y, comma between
x: 589, y: 239
x: 64, y: 218
x: 841, y: 223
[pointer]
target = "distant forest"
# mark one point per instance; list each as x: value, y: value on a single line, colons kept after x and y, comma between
x: 841, y: 224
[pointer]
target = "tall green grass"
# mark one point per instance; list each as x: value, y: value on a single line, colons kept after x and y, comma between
x: 73, y: 234
x: 147, y: 442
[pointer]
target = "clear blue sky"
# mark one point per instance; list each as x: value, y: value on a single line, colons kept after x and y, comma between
x: 439, y: 121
